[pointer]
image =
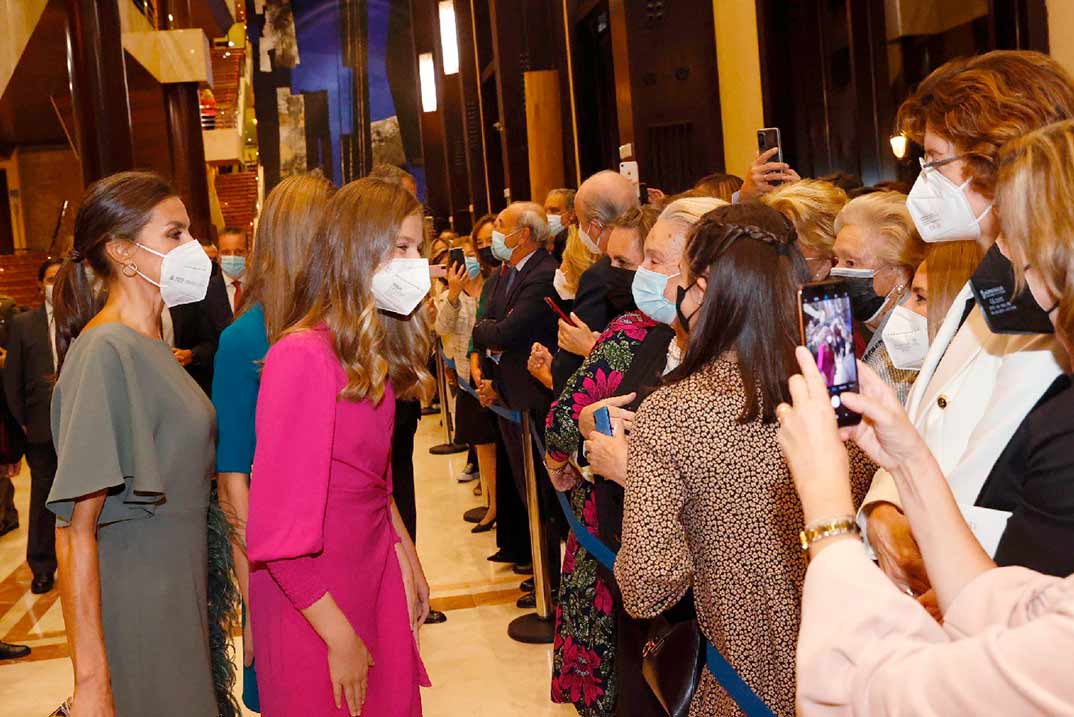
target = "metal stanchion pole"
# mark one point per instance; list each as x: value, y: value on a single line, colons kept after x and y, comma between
x: 538, y: 627
x: 449, y: 446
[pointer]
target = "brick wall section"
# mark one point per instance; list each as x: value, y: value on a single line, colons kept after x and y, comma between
x: 237, y: 192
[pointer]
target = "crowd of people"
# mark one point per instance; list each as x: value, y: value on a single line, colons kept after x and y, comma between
x: 729, y: 547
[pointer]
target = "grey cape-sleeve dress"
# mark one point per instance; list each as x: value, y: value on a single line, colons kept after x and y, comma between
x: 127, y: 418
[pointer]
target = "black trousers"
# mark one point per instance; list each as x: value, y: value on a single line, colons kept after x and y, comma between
x: 407, y: 415
x: 41, y: 542
x: 512, y: 523
x: 8, y: 514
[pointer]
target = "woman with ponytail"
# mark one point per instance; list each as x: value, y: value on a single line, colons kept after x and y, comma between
x: 134, y: 439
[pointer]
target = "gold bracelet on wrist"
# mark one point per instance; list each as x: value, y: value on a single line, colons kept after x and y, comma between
x: 827, y: 528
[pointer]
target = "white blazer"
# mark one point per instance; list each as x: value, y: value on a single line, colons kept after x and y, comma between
x: 974, y: 390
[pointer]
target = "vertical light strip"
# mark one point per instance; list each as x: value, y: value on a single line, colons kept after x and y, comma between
x: 570, y: 86
x: 427, y: 72
x: 449, y: 38
x: 480, y: 107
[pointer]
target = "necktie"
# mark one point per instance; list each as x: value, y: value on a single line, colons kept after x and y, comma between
x: 237, y: 302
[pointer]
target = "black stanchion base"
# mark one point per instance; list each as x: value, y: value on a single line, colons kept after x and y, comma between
x: 446, y: 449
x: 532, y: 630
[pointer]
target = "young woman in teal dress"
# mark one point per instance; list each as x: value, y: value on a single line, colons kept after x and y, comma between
x: 286, y: 226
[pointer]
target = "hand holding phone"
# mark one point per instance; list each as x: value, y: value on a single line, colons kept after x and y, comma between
x: 456, y: 257
x: 559, y: 312
x: 826, y: 323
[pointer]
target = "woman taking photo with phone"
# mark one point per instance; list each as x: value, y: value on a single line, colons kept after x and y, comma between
x: 134, y: 438
x: 336, y: 607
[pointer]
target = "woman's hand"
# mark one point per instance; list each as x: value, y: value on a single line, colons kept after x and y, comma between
x: 607, y: 455
x: 809, y: 437
x: 93, y: 700
x: 456, y: 281
x: 897, y: 553
x: 348, y: 667
x: 762, y: 173
x: 247, y: 643
x: 577, y: 339
x: 540, y: 364
x: 885, y: 432
x: 586, y: 425
x: 421, y: 592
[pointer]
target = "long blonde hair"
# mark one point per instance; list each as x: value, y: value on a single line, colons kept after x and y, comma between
x: 576, y: 258
x: 285, y: 229
x: 356, y: 236
x: 949, y: 265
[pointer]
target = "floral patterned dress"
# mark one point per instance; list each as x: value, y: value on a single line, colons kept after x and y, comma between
x: 583, y: 669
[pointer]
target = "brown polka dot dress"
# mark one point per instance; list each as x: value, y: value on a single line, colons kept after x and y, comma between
x: 710, y: 503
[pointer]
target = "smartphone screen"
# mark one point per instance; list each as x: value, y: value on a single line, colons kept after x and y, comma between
x: 768, y: 138
x: 456, y: 257
x: 827, y: 326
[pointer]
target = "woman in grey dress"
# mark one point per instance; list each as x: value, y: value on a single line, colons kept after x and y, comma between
x: 134, y: 437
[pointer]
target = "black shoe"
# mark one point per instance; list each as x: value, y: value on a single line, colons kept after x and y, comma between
x: 430, y: 410
x: 523, y: 569
x: 483, y: 527
x: 12, y: 652
x: 42, y: 584
x: 527, y: 602
x: 501, y: 557
x: 435, y: 618
x: 527, y: 586
x: 475, y: 515
x: 9, y: 526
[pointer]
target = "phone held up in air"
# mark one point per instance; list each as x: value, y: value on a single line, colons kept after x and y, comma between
x: 827, y: 326
x: 456, y: 257
x: 768, y: 138
x: 602, y: 421
x: 559, y: 312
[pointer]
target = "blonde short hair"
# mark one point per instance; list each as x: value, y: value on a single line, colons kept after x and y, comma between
x: 811, y: 205
x: 890, y: 230
x: 576, y: 258
x: 1035, y: 201
x: 689, y: 210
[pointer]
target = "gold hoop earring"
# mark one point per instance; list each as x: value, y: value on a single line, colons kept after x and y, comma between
x: 130, y: 269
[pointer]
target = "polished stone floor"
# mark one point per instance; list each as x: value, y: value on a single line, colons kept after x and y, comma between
x: 476, y: 669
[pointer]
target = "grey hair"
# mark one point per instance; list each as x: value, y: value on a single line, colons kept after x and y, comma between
x: 532, y: 215
x: 606, y: 206
x: 689, y: 210
x: 567, y: 194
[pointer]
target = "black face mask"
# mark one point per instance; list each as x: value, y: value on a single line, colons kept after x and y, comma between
x: 1005, y: 313
x: 864, y: 301
x: 620, y: 296
x: 487, y: 257
x: 680, y: 296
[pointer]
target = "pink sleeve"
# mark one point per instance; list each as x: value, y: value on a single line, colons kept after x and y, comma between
x: 867, y: 649
x: 292, y: 461
x: 1008, y: 597
x: 299, y: 579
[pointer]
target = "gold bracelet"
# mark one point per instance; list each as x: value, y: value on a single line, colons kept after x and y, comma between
x: 827, y: 528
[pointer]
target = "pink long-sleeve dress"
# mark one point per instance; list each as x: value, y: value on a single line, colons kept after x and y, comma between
x: 1006, y: 646
x: 320, y: 521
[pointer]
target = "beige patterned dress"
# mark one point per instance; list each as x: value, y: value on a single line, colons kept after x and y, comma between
x: 710, y: 503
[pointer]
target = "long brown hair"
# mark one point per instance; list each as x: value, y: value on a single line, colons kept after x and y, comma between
x: 357, y: 234
x: 115, y: 207
x: 747, y: 254
x: 949, y: 265
x: 285, y: 229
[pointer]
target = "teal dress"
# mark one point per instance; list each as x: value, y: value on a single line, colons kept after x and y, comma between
x: 236, y: 381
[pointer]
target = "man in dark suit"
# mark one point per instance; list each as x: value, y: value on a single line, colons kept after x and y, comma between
x: 517, y: 318
x: 28, y: 378
x: 197, y: 327
x: 599, y: 200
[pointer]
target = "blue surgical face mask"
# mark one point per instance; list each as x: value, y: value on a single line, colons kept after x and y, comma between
x: 233, y: 266
x: 500, y: 250
x: 648, y: 289
x: 555, y: 224
x: 473, y: 266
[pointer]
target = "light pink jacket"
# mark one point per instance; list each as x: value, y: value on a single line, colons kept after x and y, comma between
x: 1006, y: 646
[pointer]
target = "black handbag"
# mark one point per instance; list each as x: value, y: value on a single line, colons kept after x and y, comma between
x: 672, y: 660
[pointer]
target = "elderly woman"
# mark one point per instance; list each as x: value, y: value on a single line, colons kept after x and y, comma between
x: 629, y: 357
x: 877, y: 250
x: 811, y: 205
x: 1008, y: 633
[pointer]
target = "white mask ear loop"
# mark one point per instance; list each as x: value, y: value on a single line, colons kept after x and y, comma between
x: 134, y: 266
x: 988, y: 209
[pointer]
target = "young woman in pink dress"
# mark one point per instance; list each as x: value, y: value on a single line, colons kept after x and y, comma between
x: 336, y: 589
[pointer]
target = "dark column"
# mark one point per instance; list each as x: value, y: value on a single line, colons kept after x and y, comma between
x: 98, y: 88
x: 188, y: 154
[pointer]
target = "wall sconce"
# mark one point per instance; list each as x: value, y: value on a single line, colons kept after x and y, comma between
x: 449, y: 39
x: 427, y: 72
x: 898, y: 145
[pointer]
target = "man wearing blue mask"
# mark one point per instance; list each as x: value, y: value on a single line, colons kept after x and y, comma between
x: 234, y: 247
x: 559, y: 208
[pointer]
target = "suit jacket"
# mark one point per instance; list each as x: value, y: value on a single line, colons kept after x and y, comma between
x: 518, y: 317
x: 28, y: 374
x: 973, y: 391
x: 198, y: 327
x: 591, y: 306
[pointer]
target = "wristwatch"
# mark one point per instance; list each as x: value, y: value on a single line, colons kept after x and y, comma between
x: 827, y: 528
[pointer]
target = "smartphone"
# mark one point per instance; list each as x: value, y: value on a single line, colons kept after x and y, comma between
x: 643, y: 193
x: 768, y: 138
x: 602, y: 421
x: 559, y: 312
x: 456, y: 257
x: 827, y: 326
x: 437, y: 271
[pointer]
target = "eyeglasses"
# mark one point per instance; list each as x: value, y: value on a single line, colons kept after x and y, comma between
x: 936, y: 164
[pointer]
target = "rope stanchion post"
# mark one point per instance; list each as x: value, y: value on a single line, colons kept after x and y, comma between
x: 538, y: 627
x: 449, y: 446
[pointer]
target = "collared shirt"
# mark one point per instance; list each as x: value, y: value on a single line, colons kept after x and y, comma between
x: 229, y: 282
x: 167, y: 328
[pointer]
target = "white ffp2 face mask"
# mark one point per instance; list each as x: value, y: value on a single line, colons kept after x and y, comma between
x: 589, y: 244
x: 941, y: 210
x: 906, y: 338
x: 401, y: 284
x: 559, y: 283
x: 184, y: 273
